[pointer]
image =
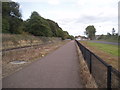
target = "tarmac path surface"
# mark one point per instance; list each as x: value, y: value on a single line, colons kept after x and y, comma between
x: 59, y: 69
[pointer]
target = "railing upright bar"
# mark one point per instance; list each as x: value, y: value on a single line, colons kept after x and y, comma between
x: 90, y: 63
x: 109, y: 68
x: 109, y: 71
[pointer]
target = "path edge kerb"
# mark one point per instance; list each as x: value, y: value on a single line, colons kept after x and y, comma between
x: 88, y: 80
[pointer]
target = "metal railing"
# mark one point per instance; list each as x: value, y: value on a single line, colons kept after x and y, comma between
x: 104, y: 74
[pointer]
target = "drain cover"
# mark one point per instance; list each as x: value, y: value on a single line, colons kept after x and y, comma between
x: 18, y: 62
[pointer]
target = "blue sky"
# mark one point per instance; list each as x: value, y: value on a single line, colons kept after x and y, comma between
x: 75, y: 15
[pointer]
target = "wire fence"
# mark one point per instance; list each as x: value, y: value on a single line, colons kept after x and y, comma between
x: 105, y: 75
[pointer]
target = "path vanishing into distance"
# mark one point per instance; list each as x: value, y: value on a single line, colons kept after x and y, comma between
x: 59, y: 69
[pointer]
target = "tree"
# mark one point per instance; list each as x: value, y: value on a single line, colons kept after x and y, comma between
x: 71, y: 37
x: 54, y: 27
x: 60, y: 33
x: 90, y: 32
x: 108, y: 34
x: 5, y: 26
x: 11, y: 17
x: 37, y: 25
x: 66, y: 34
x: 113, y: 31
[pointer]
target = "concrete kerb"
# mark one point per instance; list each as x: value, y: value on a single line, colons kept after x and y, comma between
x: 87, y: 79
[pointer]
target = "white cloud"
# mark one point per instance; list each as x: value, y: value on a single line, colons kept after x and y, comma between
x: 46, y: 1
x: 54, y: 2
x: 75, y: 15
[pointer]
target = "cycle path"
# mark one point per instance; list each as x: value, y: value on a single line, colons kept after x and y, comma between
x: 59, y: 69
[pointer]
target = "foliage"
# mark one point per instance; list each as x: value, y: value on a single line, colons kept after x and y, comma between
x: 35, y: 25
x: 113, y: 31
x: 54, y: 27
x: 60, y: 33
x: 5, y: 26
x: 90, y: 31
x: 108, y: 34
x: 71, y: 37
x: 11, y: 17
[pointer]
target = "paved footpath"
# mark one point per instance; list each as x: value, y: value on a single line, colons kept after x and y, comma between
x: 59, y: 69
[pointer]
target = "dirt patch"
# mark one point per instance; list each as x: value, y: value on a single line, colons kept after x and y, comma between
x: 28, y: 55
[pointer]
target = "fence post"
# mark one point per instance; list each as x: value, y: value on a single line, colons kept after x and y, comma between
x: 84, y: 53
x: 90, y: 63
x: 109, y: 77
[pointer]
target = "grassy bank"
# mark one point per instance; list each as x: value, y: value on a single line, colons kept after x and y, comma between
x: 109, y: 53
x: 111, y: 49
x: 18, y: 40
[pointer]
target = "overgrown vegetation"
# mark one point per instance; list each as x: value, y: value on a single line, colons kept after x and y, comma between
x: 35, y: 25
x: 19, y: 40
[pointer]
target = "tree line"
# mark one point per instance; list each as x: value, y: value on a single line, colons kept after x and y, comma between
x: 114, y: 37
x: 91, y: 30
x: 36, y: 25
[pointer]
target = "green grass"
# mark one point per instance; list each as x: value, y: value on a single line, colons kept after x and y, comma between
x: 111, y: 49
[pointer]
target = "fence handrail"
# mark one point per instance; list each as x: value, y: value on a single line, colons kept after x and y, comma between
x: 95, y: 56
x: 110, y: 69
x: 116, y: 72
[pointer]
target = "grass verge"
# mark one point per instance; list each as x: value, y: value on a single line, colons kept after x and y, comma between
x: 111, y: 49
x: 109, y: 53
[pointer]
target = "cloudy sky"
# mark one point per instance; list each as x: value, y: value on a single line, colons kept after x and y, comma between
x: 75, y: 15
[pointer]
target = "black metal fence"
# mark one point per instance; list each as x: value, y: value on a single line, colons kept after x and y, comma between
x: 105, y: 75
